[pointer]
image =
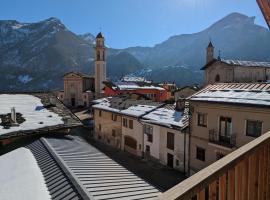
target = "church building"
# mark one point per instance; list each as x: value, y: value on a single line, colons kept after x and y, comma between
x: 80, y: 89
x: 233, y: 71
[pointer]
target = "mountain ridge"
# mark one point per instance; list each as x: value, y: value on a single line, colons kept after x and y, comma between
x: 36, y: 55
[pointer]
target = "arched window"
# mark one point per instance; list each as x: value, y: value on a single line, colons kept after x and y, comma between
x: 217, y: 79
x: 98, y: 55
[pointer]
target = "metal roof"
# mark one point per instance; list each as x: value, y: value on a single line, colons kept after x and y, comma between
x: 97, y: 174
x: 246, y: 63
x: 251, y: 94
x: 240, y: 63
x: 58, y: 183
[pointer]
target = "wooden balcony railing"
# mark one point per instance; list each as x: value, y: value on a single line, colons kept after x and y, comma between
x: 243, y: 174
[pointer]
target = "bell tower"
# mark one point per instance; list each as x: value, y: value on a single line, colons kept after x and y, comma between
x: 209, y: 52
x: 100, y: 65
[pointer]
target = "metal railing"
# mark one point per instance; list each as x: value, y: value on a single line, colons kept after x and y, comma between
x: 224, y: 140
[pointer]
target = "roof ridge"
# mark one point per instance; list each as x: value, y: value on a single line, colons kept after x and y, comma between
x: 77, y: 184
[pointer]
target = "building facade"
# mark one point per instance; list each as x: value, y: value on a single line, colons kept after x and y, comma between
x: 108, y: 127
x: 150, y: 91
x: 145, y: 129
x: 78, y: 89
x: 166, y: 145
x: 233, y: 71
x: 224, y: 118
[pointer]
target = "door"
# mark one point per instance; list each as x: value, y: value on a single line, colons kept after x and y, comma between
x: 225, y: 129
x: 73, y: 102
x: 170, y: 160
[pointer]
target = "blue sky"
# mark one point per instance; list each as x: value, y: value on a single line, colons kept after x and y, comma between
x: 130, y: 22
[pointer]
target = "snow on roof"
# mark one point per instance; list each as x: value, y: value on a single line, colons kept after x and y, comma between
x: 138, y: 110
x: 246, y: 63
x: 167, y: 117
x: 135, y: 86
x: 129, y: 107
x: 248, y: 93
x: 32, y: 110
x: 134, y: 79
x: 21, y: 178
x: 104, y: 104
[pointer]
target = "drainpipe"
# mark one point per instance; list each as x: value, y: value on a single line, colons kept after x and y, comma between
x: 185, y: 136
x: 189, y: 133
x: 142, y: 139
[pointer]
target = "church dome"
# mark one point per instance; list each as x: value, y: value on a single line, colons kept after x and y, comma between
x: 99, y: 35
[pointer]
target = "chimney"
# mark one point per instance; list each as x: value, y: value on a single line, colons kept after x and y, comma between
x: 13, y: 115
x: 52, y: 101
x: 180, y: 104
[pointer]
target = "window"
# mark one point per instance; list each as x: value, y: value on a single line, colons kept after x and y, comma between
x: 113, y: 133
x: 225, y: 126
x: 130, y: 124
x: 147, y: 149
x: 148, y: 130
x: 170, y: 141
x: 125, y: 122
x: 253, y: 128
x: 177, y: 162
x: 99, y: 127
x: 114, y: 117
x: 150, y: 137
x: 100, y: 113
x: 200, y: 154
x: 202, y: 119
x: 217, y: 79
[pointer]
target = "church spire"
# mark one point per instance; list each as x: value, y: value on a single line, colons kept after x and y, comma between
x: 210, y: 52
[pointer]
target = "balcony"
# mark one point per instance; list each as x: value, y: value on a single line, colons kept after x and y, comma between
x: 242, y: 174
x: 227, y: 141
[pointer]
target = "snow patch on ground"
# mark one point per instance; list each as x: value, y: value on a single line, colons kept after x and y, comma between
x: 21, y: 178
x: 32, y: 110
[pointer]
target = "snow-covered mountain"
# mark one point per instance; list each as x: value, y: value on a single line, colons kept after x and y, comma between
x: 34, y: 56
x: 236, y: 35
x: 88, y: 37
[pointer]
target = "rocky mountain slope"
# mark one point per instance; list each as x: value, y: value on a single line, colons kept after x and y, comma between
x: 236, y: 35
x: 34, y: 56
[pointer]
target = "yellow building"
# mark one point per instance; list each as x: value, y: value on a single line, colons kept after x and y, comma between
x: 78, y: 89
x: 117, y: 122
